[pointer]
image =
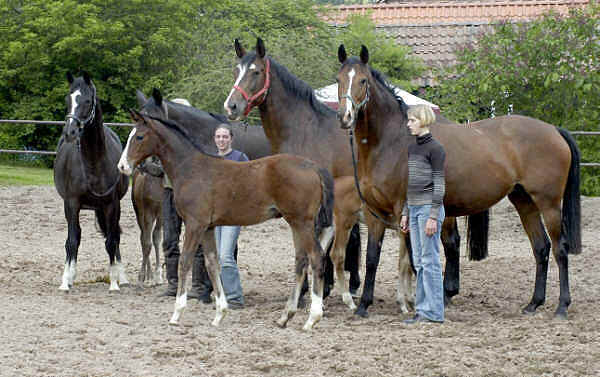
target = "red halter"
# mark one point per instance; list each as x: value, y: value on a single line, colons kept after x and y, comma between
x: 250, y: 100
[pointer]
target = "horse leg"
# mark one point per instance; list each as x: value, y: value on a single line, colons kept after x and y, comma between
x: 192, y: 238
x: 301, y: 271
x: 405, y: 294
x: 156, y: 238
x: 316, y: 258
x: 352, y: 262
x: 374, y: 242
x: 540, y: 244
x: 451, y: 242
x: 211, y: 260
x: 343, y: 226
x: 112, y: 214
x: 71, y: 208
x: 145, y: 225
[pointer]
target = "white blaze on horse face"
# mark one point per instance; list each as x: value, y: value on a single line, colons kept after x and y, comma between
x: 74, y: 103
x: 349, y: 114
x: 123, y: 165
x: 241, y: 74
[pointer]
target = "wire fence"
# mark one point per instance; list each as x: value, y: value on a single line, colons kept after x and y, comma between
x: 62, y: 123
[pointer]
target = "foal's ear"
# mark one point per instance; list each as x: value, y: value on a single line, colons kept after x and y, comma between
x: 260, y: 48
x: 239, y: 49
x: 342, y: 56
x: 70, y: 77
x: 141, y: 98
x: 158, y: 98
x: 135, y: 115
x: 364, y: 54
x: 87, y: 78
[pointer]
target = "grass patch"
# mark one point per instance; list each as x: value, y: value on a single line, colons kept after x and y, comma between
x: 14, y: 175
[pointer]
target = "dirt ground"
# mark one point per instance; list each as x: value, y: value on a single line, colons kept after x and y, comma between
x: 88, y: 331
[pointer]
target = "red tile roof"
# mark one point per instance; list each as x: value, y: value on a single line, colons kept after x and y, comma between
x: 434, y: 30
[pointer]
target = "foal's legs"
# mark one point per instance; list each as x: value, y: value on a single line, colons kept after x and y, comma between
x: 145, y: 224
x: 72, y: 208
x: 301, y: 271
x: 540, y: 244
x: 156, y: 238
x: 343, y: 226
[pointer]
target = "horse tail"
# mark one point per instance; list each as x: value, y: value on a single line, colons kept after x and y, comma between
x: 478, y: 226
x: 325, y: 217
x: 571, y: 206
x: 101, y: 221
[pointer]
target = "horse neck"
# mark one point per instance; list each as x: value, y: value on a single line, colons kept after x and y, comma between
x: 201, y: 128
x: 381, y: 124
x: 93, y: 143
x: 279, y: 115
x: 173, y: 152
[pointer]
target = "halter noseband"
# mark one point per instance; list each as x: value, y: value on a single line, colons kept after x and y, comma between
x: 362, y: 103
x: 250, y: 101
x: 90, y: 117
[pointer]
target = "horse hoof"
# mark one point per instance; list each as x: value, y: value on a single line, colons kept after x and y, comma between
x: 361, y: 312
x: 561, y: 314
x: 281, y: 323
x: 173, y: 323
x: 529, y: 310
x: 307, y: 326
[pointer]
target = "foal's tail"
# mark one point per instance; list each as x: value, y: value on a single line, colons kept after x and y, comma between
x: 325, y: 217
x: 571, y: 210
x: 478, y: 226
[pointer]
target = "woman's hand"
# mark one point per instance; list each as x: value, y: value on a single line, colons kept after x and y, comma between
x: 430, y: 227
x: 404, y: 224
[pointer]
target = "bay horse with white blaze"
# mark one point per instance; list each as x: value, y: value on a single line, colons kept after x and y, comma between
x: 86, y: 177
x: 296, y: 122
x: 277, y: 186
x: 534, y: 163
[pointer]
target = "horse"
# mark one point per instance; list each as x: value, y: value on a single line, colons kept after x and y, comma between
x: 251, y: 140
x: 86, y: 177
x: 296, y: 122
x: 532, y: 162
x: 146, y: 197
x: 285, y: 186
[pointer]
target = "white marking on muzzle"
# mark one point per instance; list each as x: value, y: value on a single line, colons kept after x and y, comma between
x: 123, y: 165
x: 237, y: 82
x: 74, y: 105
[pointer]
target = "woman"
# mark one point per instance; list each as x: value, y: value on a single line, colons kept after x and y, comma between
x: 424, y: 211
x: 226, y: 236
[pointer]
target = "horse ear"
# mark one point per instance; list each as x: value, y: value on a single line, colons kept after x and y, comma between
x: 342, y: 56
x: 70, y: 77
x: 141, y: 98
x: 135, y: 115
x: 239, y: 49
x: 364, y: 54
x: 157, y: 96
x: 260, y: 48
x: 87, y: 78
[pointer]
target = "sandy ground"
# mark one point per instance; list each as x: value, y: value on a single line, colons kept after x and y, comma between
x: 91, y: 332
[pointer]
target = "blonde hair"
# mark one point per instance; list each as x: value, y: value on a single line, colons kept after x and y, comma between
x: 422, y: 112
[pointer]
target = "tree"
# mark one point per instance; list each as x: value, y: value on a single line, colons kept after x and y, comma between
x: 547, y: 69
x: 124, y: 44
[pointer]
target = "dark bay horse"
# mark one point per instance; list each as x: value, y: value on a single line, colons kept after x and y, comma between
x: 295, y: 122
x: 534, y: 163
x: 276, y: 186
x: 146, y: 197
x: 86, y: 177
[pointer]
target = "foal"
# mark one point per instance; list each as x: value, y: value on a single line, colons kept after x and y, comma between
x: 278, y: 186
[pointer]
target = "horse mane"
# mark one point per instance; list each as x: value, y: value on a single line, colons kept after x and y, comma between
x: 181, y: 132
x: 293, y: 85
x: 381, y: 79
x: 188, y: 109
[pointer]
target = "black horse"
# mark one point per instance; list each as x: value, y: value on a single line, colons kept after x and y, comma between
x: 86, y: 177
x: 251, y: 140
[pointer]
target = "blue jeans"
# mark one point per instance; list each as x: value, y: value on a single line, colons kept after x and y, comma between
x: 429, y: 301
x: 226, y: 239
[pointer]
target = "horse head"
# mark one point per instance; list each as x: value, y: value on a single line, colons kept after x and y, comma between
x: 353, y: 86
x: 252, y: 80
x: 155, y: 106
x: 81, y: 105
x: 141, y: 143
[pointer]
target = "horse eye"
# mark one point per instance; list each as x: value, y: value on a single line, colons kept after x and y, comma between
x: 139, y: 137
x: 363, y: 81
x: 256, y: 73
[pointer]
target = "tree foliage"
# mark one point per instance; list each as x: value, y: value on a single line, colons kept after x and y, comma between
x: 547, y: 69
